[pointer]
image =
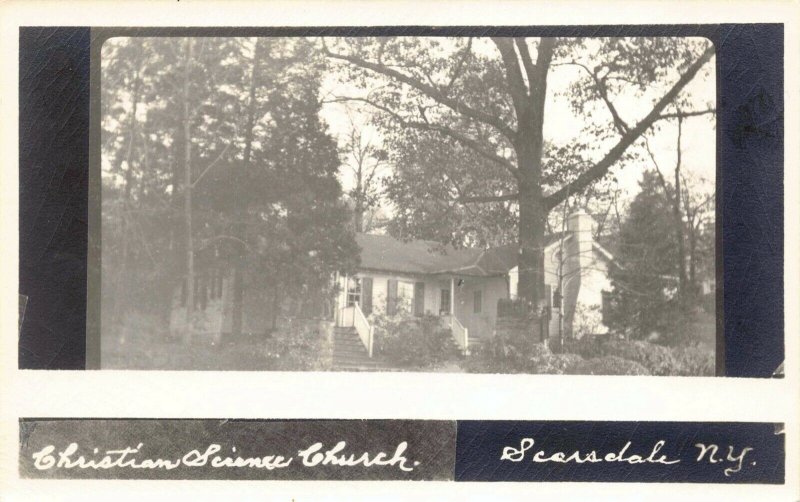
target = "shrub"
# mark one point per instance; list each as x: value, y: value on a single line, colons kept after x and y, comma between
x: 587, y: 320
x: 556, y: 364
x: 299, y: 347
x: 608, y: 365
x: 419, y: 342
x: 657, y: 359
x: 694, y: 361
x: 510, y: 351
x: 518, y: 355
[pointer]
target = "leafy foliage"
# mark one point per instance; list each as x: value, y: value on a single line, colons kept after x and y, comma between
x: 465, y: 119
x: 656, y: 359
x: 299, y: 347
x: 144, y: 343
x: 418, y: 342
x: 518, y: 353
x: 645, y: 284
x: 608, y: 365
x: 262, y: 170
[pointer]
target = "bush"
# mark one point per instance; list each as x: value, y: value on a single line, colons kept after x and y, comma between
x: 608, y: 365
x: 694, y: 361
x: 299, y: 347
x: 510, y: 351
x: 556, y: 364
x: 418, y: 342
x: 657, y: 359
x: 519, y: 355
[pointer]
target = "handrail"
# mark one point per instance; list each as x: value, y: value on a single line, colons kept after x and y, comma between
x: 353, y: 317
x: 363, y: 328
x: 460, y: 333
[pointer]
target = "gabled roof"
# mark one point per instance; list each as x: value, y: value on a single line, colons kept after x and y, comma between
x: 383, y: 252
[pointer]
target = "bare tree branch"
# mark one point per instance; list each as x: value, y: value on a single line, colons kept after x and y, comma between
x: 685, y: 114
x: 465, y: 140
x: 602, y: 90
x: 213, y: 163
x: 601, y: 168
x: 429, y: 90
x: 467, y: 51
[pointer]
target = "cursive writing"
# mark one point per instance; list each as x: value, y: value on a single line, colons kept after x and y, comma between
x: 518, y: 454
x: 71, y: 457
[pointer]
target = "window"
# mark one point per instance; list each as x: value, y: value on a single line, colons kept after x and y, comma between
x: 444, y: 302
x: 353, y: 291
x: 477, y: 298
x: 405, y: 296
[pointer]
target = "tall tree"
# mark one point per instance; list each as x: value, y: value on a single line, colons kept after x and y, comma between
x: 644, y: 295
x: 685, y: 214
x: 241, y: 175
x: 699, y: 209
x: 366, y: 162
x: 493, y: 105
x: 188, y: 184
x: 647, y: 291
x: 197, y: 154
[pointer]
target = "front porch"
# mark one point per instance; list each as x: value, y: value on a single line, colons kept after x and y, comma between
x: 367, y: 295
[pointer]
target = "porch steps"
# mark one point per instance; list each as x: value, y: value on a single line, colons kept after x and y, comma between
x: 452, y: 346
x: 349, y: 353
x: 475, y: 344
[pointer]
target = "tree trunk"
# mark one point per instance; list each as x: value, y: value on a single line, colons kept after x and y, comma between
x: 275, y: 308
x: 678, y: 216
x: 187, y: 194
x: 692, y: 262
x: 124, y: 286
x: 531, y: 245
x: 358, y: 210
x: 241, y: 210
x: 359, y: 218
x: 529, y: 145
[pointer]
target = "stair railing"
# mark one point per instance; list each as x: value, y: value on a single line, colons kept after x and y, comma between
x: 353, y: 317
x: 363, y: 328
x: 460, y: 333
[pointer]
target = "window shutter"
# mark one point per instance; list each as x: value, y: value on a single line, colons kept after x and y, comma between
x: 391, y: 297
x: 419, y: 298
x: 366, y: 295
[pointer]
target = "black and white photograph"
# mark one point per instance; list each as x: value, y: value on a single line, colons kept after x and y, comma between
x: 432, y: 204
x: 446, y: 250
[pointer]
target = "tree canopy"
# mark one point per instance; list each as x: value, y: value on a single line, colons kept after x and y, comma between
x: 466, y: 120
x: 215, y: 156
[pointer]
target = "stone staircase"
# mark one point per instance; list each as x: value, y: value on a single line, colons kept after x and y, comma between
x: 349, y: 353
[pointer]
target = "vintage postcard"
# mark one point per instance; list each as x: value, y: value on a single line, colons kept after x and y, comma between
x: 490, y: 250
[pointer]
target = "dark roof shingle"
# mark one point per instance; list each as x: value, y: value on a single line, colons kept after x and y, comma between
x: 384, y: 252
